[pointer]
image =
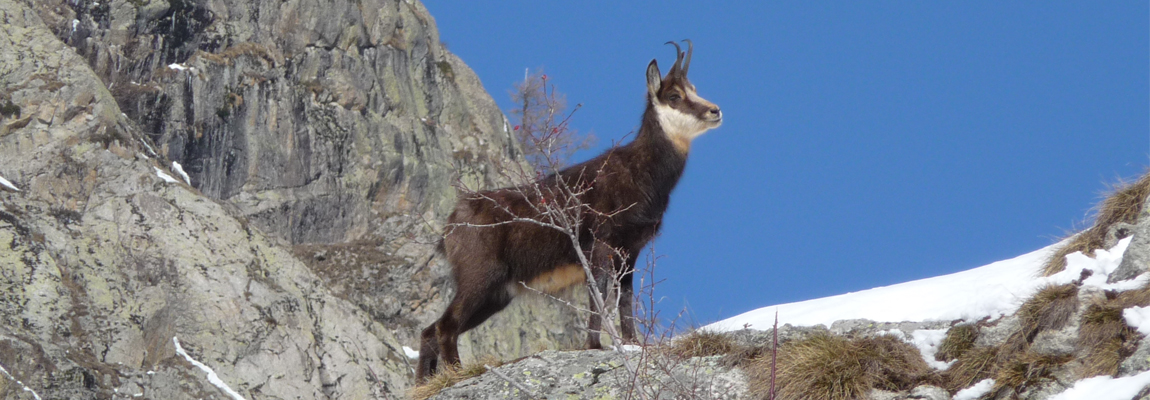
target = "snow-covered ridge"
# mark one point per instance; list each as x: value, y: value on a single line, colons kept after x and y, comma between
x: 991, y: 291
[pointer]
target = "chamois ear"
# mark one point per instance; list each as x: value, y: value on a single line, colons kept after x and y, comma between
x: 654, y: 80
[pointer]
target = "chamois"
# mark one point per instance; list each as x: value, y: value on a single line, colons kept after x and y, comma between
x: 498, y: 241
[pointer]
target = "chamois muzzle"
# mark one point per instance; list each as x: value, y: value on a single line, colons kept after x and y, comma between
x: 715, y: 114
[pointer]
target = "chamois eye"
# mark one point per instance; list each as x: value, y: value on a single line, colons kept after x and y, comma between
x: 674, y: 98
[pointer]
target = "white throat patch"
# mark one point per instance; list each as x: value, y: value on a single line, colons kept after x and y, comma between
x: 679, y: 125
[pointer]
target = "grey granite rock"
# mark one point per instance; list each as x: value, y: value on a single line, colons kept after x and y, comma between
x: 602, y: 374
x: 340, y: 129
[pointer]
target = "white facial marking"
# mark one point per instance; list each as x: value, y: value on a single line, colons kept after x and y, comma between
x: 678, y: 124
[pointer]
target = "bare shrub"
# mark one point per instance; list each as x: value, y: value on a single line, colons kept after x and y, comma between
x: 542, y: 124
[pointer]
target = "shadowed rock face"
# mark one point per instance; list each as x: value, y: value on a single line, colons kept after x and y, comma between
x: 322, y: 140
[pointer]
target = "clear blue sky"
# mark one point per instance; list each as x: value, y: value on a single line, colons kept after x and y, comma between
x: 864, y: 143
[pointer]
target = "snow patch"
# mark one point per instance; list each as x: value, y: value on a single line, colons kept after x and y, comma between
x: 628, y: 348
x: 12, y: 378
x: 7, y: 184
x: 1106, y: 388
x: 927, y: 341
x: 179, y: 169
x: 1101, y: 266
x: 163, y: 175
x: 212, y: 377
x: 1139, y: 318
x: 975, y: 391
x: 410, y: 353
x: 178, y: 67
x: 145, y: 143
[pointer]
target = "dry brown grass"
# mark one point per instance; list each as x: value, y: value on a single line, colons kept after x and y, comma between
x: 958, y: 340
x: 1028, y: 370
x: 1050, y: 308
x: 1122, y: 206
x: 701, y: 343
x: 1104, y: 339
x: 450, y: 375
x: 973, y: 365
x: 1086, y: 241
x: 827, y: 367
x: 1137, y: 297
x: 1010, y: 363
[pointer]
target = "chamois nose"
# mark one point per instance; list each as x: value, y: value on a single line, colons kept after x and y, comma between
x: 715, y: 113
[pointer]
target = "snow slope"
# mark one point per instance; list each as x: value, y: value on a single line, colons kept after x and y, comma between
x: 993, y: 290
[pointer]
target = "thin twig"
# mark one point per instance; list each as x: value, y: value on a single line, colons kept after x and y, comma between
x: 774, y: 354
x: 530, y: 394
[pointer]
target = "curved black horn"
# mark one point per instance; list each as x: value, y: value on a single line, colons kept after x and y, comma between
x: 687, y: 62
x: 678, y: 57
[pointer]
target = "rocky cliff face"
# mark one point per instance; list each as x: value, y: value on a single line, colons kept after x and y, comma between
x: 321, y: 140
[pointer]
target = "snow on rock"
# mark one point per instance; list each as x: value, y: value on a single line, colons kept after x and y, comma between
x: 7, y: 184
x: 18, y: 382
x: 212, y: 377
x: 410, y: 353
x: 1105, y: 388
x: 179, y: 169
x: 1101, y: 265
x: 177, y: 67
x: 629, y: 348
x: 976, y: 391
x: 1139, y: 318
x: 927, y: 341
x: 163, y: 175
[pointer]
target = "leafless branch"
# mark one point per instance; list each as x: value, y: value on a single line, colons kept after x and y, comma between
x: 529, y: 394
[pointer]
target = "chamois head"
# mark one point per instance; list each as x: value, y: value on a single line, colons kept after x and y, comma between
x: 682, y: 114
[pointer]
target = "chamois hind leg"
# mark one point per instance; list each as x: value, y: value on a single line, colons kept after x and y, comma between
x: 428, y: 353
x: 471, y: 305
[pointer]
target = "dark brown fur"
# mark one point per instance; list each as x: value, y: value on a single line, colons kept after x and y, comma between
x: 623, y: 194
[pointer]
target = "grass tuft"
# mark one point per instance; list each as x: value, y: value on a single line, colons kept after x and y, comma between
x: 449, y: 376
x: 958, y: 340
x: 1028, y: 370
x: 1050, y: 308
x: 1122, y: 206
x: 1104, y: 340
x: 827, y: 367
x: 972, y: 366
x: 1138, y: 297
x: 702, y: 343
